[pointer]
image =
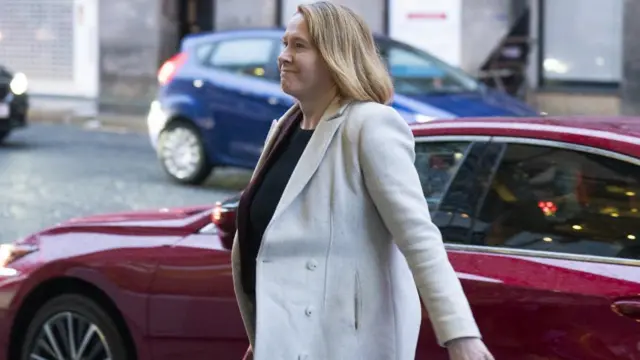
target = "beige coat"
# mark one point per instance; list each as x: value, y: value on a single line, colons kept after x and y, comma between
x: 349, y: 241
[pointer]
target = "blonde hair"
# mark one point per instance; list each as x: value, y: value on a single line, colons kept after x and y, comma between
x: 346, y: 44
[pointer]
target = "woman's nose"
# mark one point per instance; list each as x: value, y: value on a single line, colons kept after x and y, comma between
x: 284, y: 57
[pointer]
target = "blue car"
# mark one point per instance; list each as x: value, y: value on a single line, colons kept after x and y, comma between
x: 220, y: 93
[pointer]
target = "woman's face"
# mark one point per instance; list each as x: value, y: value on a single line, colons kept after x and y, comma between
x: 303, y: 72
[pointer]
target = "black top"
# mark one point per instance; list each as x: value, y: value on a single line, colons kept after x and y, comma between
x: 266, y: 198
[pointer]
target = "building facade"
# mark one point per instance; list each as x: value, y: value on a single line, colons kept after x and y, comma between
x: 583, y: 59
x: 54, y: 42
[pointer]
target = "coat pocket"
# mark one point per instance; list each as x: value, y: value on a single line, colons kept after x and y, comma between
x: 357, y: 301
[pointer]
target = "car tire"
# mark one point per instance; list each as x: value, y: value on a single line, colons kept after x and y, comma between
x: 179, y: 137
x: 87, y: 317
x: 4, y: 134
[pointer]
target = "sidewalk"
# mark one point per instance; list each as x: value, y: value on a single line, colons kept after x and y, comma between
x: 83, y: 113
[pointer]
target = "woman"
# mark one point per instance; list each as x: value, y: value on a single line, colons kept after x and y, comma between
x: 317, y: 273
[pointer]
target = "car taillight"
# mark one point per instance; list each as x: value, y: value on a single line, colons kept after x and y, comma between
x: 216, y: 215
x: 169, y: 68
x: 224, y: 218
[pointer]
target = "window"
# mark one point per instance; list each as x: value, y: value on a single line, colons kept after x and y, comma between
x: 454, y: 203
x: 252, y: 57
x: 415, y: 72
x: 437, y: 164
x: 551, y: 199
x: 203, y: 52
x: 582, y: 42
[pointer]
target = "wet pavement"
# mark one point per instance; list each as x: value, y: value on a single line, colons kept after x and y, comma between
x: 50, y: 173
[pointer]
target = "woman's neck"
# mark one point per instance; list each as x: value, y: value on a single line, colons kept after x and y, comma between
x: 313, y: 110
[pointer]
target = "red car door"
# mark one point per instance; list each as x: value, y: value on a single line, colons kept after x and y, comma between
x: 450, y: 171
x: 193, y: 312
x: 551, y: 261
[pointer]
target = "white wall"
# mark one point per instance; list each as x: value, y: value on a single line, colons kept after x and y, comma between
x: 371, y: 10
x: 86, y: 49
x: 434, y: 26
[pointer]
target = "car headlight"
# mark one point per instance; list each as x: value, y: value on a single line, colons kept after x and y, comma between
x: 10, y: 253
x: 421, y: 118
x: 157, y: 118
x: 19, y: 84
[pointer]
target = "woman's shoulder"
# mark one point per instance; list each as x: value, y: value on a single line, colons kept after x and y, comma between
x: 371, y: 107
x: 370, y: 118
x: 369, y: 112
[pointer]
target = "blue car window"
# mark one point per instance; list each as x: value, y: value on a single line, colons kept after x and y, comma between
x: 416, y: 72
x: 250, y: 57
x: 203, y: 51
x: 405, y: 63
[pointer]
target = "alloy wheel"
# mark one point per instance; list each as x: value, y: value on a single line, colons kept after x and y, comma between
x: 70, y: 336
x: 181, y: 153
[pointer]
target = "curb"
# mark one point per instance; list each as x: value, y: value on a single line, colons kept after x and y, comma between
x: 107, y: 122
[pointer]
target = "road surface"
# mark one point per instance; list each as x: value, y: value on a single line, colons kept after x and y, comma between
x: 50, y: 173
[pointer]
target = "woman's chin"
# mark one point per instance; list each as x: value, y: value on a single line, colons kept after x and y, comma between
x: 287, y: 89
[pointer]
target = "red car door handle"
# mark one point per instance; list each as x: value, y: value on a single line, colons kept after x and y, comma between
x: 628, y: 308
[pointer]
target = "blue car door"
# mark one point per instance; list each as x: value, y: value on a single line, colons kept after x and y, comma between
x: 244, y: 97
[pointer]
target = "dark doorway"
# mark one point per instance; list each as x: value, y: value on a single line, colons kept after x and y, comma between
x: 195, y: 16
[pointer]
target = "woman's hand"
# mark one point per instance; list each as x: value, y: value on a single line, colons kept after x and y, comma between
x: 249, y: 354
x: 468, y: 349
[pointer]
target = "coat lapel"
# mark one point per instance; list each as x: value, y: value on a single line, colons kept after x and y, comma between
x: 312, y: 155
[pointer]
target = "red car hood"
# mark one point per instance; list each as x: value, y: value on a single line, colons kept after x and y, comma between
x: 174, y: 221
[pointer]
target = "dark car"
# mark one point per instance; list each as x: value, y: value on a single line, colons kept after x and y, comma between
x: 219, y: 95
x: 14, y: 101
x: 539, y: 218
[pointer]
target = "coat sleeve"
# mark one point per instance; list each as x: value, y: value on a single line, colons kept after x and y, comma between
x: 245, y: 305
x: 387, y: 153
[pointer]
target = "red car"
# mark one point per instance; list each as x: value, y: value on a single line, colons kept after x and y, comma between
x: 540, y: 217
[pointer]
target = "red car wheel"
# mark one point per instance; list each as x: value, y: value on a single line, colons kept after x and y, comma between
x: 72, y: 327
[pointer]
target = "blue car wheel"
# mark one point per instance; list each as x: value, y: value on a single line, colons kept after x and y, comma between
x: 182, y: 155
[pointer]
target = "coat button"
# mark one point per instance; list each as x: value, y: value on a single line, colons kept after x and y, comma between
x: 308, y: 311
x: 312, y: 265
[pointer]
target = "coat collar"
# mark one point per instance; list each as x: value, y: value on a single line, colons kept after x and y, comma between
x: 335, y: 110
x: 314, y: 152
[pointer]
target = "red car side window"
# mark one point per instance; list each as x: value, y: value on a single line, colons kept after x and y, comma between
x: 437, y: 163
x: 560, y: 200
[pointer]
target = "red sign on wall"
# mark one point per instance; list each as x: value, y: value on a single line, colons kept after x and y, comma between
x: 427, y: 16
